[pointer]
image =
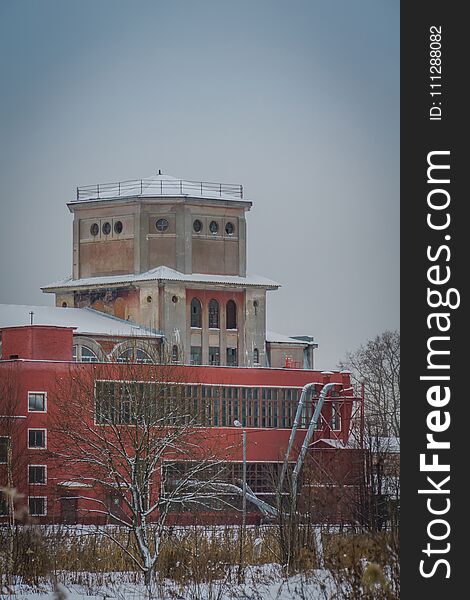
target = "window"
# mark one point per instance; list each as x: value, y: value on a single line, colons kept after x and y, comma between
x: 213, y: 314
x: 231, y: 315
x: 196, y: 355
x: 229, y: 228
x: 4, y: 448
x: 37, y: 474
x: 174, y: 354
x: 37, y: 506
x: 94, y: 229
x: 213, y: 227
x: 162, y: 225
x: 84, y: 354
x: 232, y: 357
x: 197, y: 226
x: 36, y: 401
x: 3, y: 505
x: 214, y: 355
x: 256, y: 356
x: 255, y: 307
x: 36, y: 438
x: 335, y: 416
x: 196, y: 313
x: 106, y: 228
x: 134, y: 355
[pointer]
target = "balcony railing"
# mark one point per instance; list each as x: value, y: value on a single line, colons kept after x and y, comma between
x: 158, y: 187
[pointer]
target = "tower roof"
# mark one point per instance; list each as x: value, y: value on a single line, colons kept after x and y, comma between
x: 160, y: 185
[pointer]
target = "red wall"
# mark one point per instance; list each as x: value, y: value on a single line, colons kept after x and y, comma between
x: 263, y: 445
x: 38, y: 342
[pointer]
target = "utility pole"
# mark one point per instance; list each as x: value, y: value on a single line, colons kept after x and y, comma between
x: 243, y: 527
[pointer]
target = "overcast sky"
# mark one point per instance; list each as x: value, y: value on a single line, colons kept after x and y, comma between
x: 296, y: 100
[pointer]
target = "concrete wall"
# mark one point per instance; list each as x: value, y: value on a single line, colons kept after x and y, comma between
x: 140, y: 246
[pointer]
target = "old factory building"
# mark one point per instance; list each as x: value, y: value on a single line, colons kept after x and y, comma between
x: 159, y: 277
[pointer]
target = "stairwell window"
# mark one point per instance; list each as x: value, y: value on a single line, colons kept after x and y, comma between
x: 174, y: 354
x: 256, y: 356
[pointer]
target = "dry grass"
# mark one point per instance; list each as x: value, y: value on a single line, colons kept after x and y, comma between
x: 199, y: 555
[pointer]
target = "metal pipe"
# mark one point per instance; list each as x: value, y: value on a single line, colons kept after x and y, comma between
x: 308, y: 436
x: 295, y: 426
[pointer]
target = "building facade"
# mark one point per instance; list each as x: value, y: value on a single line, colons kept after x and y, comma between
x: 159, y: 279
x: 170, y: 254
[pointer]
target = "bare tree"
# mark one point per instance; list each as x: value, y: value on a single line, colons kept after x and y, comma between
x: 123, y: 431
x: 12, y: 456
x: 377, y: 365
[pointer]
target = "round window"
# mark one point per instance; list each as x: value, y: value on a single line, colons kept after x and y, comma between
x: 106, y: 228
x: 94, y: 229
x: 214, y: 227
x: 197, y: 226
x: 118, y: 227
x: 162, y: 225
x: 229, y: 228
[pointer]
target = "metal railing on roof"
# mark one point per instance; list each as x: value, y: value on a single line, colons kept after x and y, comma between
x: 160, y: 187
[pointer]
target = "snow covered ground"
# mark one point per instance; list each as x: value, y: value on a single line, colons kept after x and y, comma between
x: 264, y: 582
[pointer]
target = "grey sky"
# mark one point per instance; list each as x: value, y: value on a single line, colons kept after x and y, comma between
x: 298, y: 101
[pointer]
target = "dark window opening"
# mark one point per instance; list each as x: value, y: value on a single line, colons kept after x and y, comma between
x: 197, y: 226
x: 106, y: 228
x: 214, y: 314
x: 214, y: 355
x: 196, y: 355
x: 94, y: 229
x: 36, y: 474
x: 37, y: 438
x: 37, y: 506
x: 231, y: 315
x: 4, y: 449
x: 174, y: 354
x: 256, y: 356
x: 229, y: 228
x: 118, y: 227
x: 232, y: 357
x: 196, y: 313
x: 213, y: 227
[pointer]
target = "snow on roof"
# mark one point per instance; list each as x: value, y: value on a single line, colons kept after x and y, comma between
x: 333, y: 442
x: 280, y: 338
x: 160, y: 185
x: 164, y: 274
x: 86, y: 321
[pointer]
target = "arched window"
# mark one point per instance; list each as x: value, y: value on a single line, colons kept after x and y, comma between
x: 134, y: 355
x: 231, y: 315
x: 214, y: 314
x: 256, y: 356
x: 196, y: 313
x: 174, y: 354
x: 84, y: 354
